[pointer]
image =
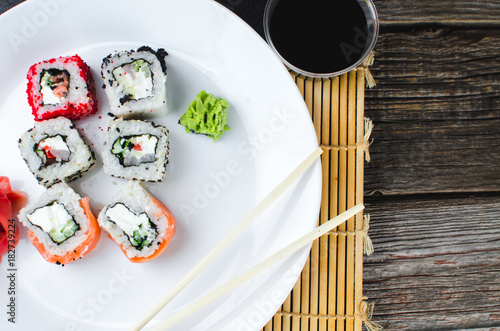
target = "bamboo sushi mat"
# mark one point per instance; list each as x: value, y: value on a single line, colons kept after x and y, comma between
x: 329, y: 293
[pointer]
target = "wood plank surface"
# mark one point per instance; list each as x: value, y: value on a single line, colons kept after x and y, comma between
x: 436, y: 110
x: 433, y: 186
x: 436, y: 74
x: 437, y: 262
x: 434, y: 180
x: 452, y: 12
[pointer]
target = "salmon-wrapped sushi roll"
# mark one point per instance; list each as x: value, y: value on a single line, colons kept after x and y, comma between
x: 61, y: 87
x: 61, y: 225
x: 141, y: 225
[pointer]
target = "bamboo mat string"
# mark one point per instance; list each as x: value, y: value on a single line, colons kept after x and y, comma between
x: 370, y: 81
x: 365, y: 315
x: 367, y: 242
x: 365, y: 144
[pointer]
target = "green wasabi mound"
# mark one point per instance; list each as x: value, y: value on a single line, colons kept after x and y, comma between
x: 206, y: 115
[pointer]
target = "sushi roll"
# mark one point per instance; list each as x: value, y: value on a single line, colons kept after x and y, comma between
x: 141, y: 225
x: 61, y: 87
x: 135, y: 82
x: 136, y: 149
x: 61, y: 225
x: 55, y: 152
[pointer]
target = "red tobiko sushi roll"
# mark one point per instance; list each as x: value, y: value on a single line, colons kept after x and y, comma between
x: 61, y: 87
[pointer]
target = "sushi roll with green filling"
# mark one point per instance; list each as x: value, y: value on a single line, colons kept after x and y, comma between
x: 55, y: 152
x: 141, y: 225
x: 136, y: 149
x: 135, y: 82
x: 61, y: 225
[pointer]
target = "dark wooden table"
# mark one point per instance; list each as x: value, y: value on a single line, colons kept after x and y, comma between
x: 433, y: 188
x: 433, y: 185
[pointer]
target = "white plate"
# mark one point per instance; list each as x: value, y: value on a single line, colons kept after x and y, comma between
x: 209, y: 187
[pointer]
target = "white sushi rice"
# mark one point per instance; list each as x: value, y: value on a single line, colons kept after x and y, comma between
x: 147, y: 106
x: 81, y: 158
x: 64, y: 195
x: 149, y: 171
x: 137, y: 200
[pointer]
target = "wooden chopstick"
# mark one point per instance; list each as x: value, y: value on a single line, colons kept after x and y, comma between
x: 260, y: 267
x: 217, y: 249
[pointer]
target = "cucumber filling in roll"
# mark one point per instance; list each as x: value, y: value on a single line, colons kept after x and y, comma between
x: 55, y: 220
x: 54, y: 85
x: 136, y: 79
x: 134, y: 150
x: 141, y: 232
x: 53, y: 149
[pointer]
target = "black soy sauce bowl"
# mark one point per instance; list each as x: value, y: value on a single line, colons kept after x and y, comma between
x: 372, y: 25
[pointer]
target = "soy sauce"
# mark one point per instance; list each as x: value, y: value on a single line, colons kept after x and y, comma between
x: 319, y: 36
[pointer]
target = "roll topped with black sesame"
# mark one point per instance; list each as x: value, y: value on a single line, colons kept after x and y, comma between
x: 136, y: 149
x: 55, y: 152
x: 135, y: 82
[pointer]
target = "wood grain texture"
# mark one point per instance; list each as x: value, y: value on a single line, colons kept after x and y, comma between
x: 437, y: 262
x: 436, y: 74
x: 436, y: 110
x: 458, y: 11
x: 410, y: 158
